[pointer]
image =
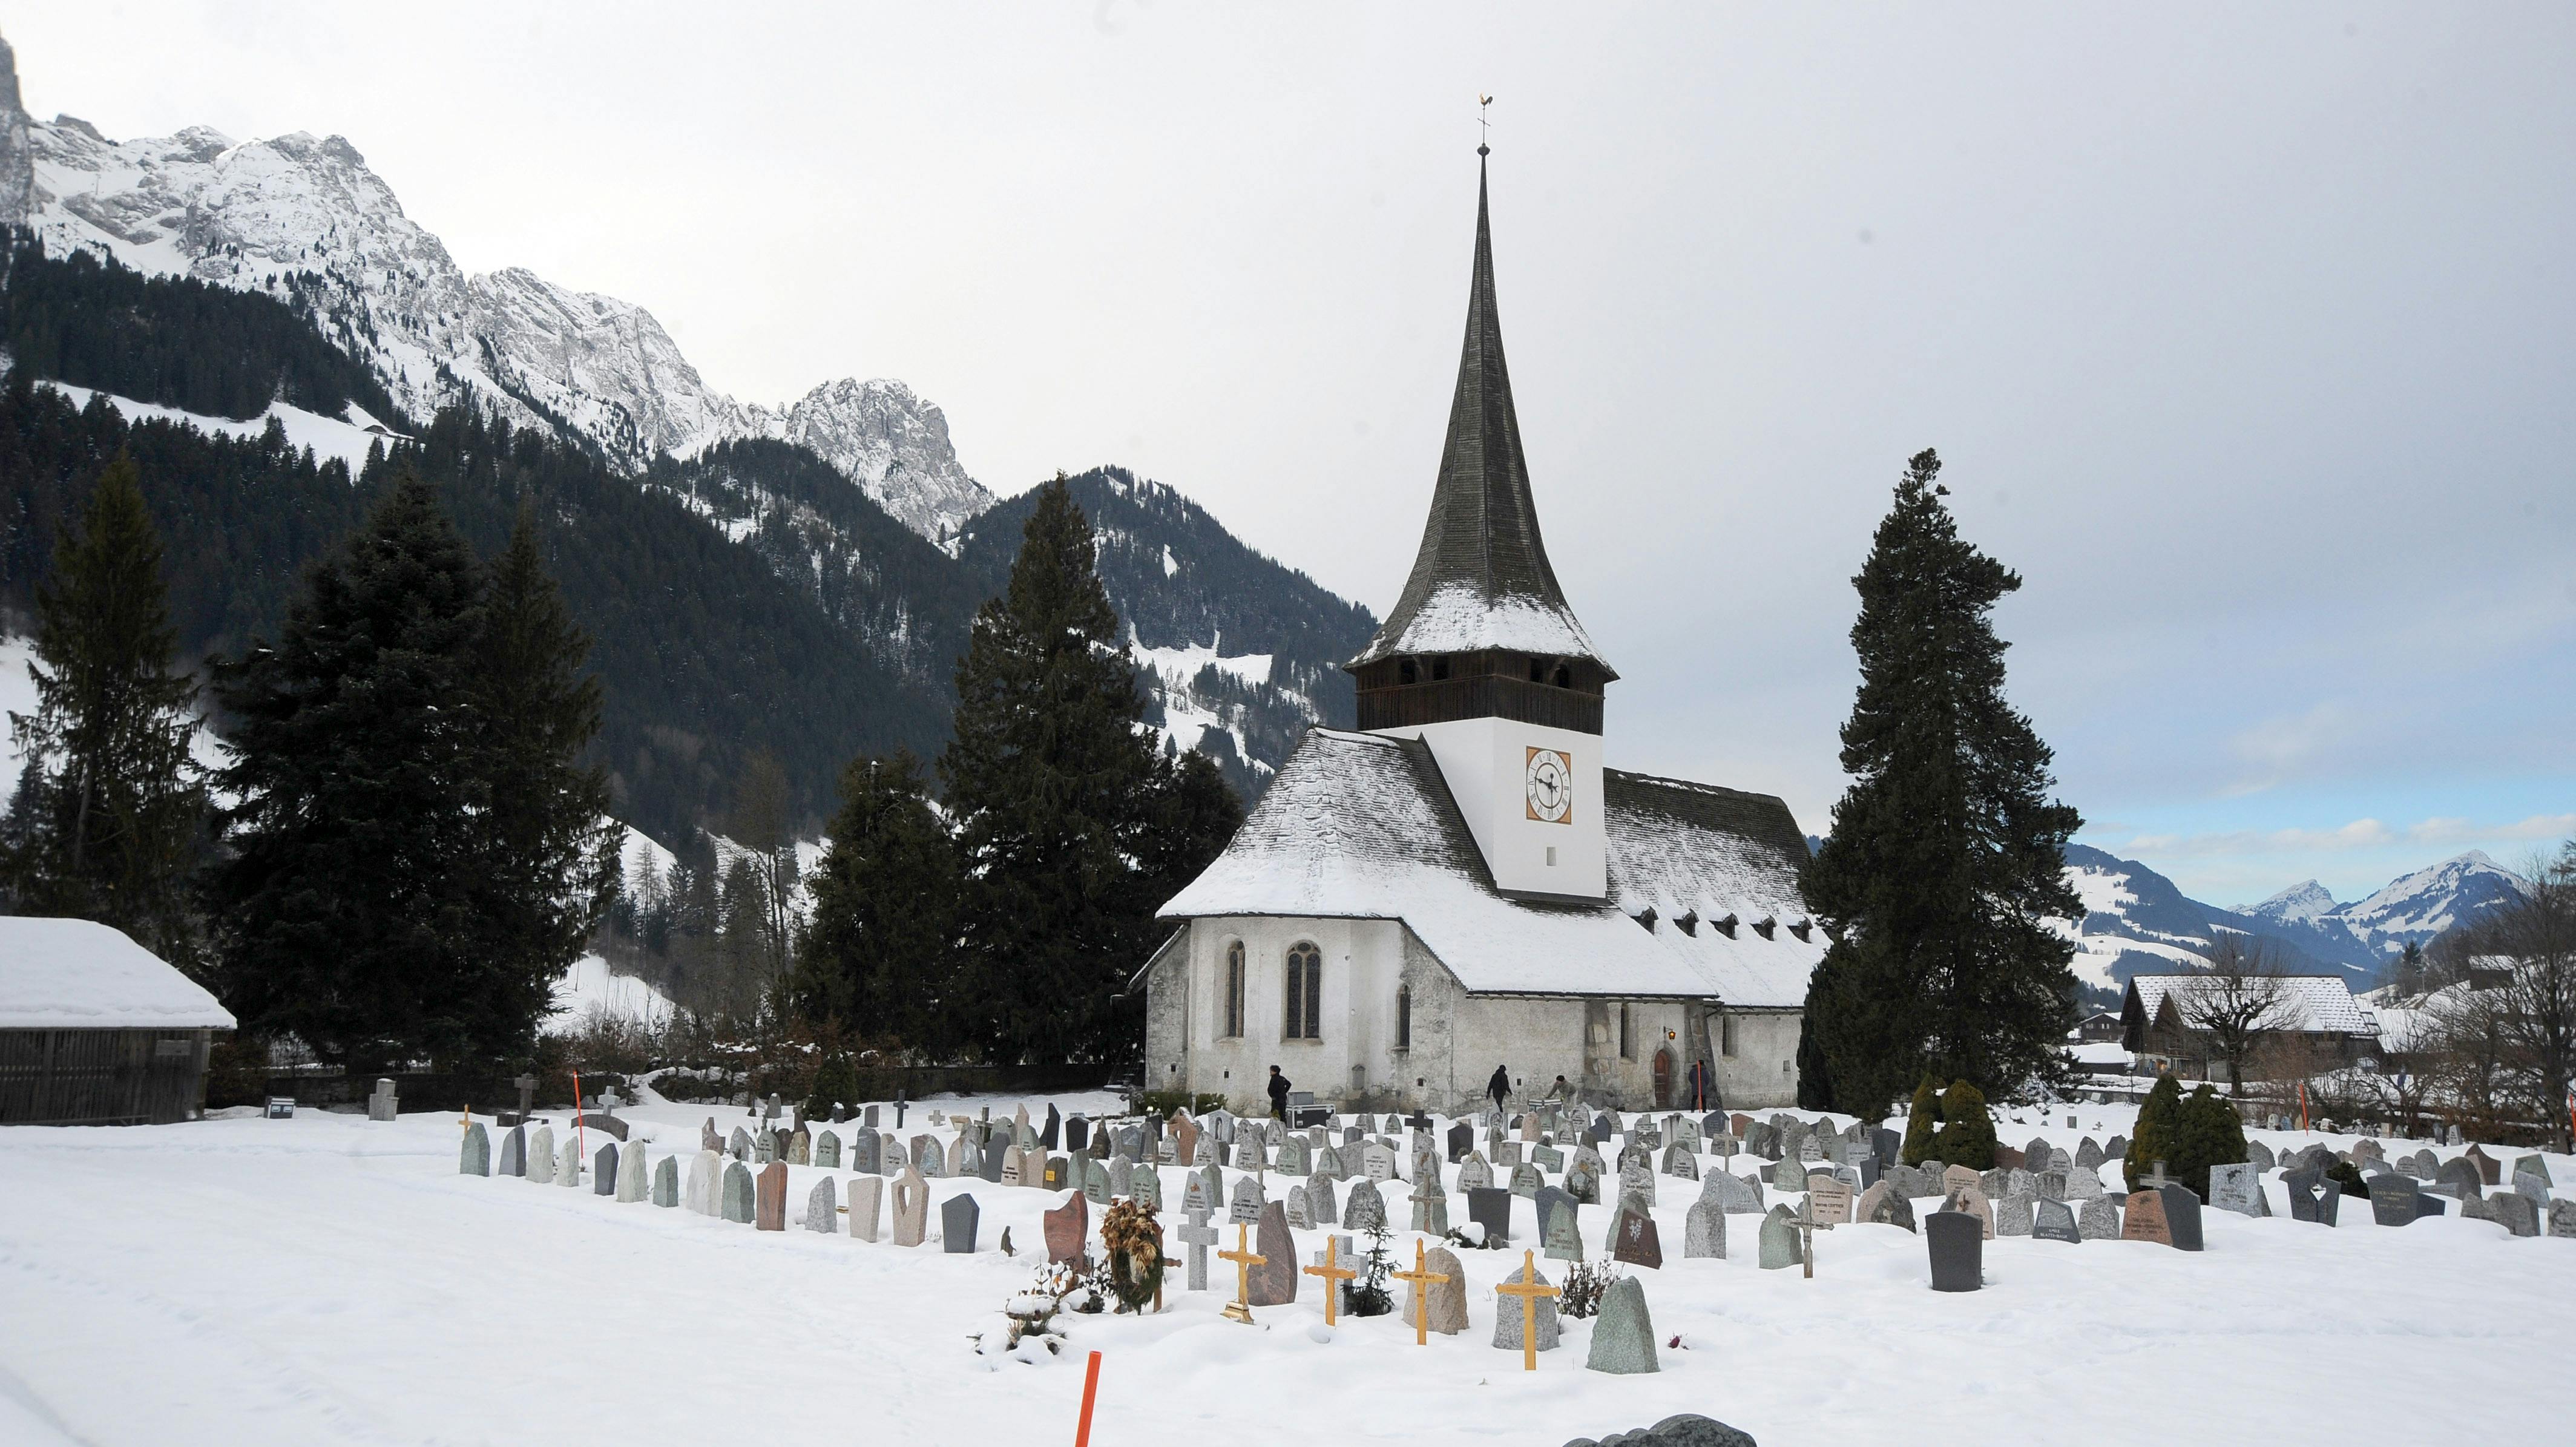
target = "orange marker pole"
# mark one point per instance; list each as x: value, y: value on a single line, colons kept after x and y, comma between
x: 1090, y: 1391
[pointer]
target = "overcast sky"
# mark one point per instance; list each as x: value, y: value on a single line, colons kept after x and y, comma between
x: 2245, y: 331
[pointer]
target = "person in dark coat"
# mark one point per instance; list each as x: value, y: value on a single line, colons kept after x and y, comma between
x: 1500, y: 1087
x: 1278, y: 1094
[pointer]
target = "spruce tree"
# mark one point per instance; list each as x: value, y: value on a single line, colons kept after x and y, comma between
x: 879, y: 955
x: 1194, y: 813
x: 1946, y: 859
x: 2159, y: 1120
x: 2207, y: 1132
x: 353, y: 898
x: 108, y: 816
x: 1815, y: 1073
x: 1051, y: 781
x: 551, y: 861
x: 1922, y: 1124
x: 1967, y: 1135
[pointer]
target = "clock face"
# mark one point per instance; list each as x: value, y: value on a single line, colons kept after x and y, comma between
x: 1550, y: 780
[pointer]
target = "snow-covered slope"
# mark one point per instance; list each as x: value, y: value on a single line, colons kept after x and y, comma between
x: 305, y: 220
x: 345, y: 438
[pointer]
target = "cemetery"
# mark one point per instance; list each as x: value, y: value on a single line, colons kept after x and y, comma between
x: 952, y: 1263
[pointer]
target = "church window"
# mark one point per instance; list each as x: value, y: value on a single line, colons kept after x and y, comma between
x: 1233, y: 989
x: 1538, y: 670
x: 1404, y: 1017
x: 1726, y: 1035
x: 1404, y: 672
x: 1305, y: 1000
x: 1439, y: 670
x: 1627, y: 1032
x: 1564, y: 676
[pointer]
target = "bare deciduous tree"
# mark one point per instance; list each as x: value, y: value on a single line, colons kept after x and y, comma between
x: 2237, y: 1001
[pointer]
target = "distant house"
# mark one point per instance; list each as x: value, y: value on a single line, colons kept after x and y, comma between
x: 2156, y: 1021
x: 2100, y: 1026
x: 97, y: 1030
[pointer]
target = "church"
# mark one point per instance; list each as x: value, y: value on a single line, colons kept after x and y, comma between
x: 1461, y: 882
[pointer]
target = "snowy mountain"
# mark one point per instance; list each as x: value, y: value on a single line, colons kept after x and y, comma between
x: 306, y: 221
x: 2136, y: 920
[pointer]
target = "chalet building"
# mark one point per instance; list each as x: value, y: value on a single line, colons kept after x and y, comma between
x: 1462, y: 881
x: 2156, y: 1023
x: 97, y: 1030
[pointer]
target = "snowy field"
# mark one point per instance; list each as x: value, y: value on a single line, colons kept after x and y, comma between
x: 325, y: 1279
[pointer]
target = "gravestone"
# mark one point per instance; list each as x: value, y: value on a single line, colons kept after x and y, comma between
x: 1633, y: 1240
x: 910, y: 1208
x: 1678, y: 1161
x: 706, y: 1177
x: 1623, y: 1335
x: 959, y: 1215
x: 1365, y: 1210
x: 2460, y: 1176
x: 1145, y: 1186
x: 771, y: 1203
x: 1301, y: 1216
x: 2532, y: 1188
x: 1245, y: 1206
x: 568, y: 1164
x: 737, y: 1193
x: 994, y: 1156
x: 634, y: 1182
x: 1122, y: 1177
x: 2013, y: 1215
x: 2099, y: 1219
x: 867, y: 1152
x: 1442, y: 1307
x: 2535, y: 1166
x: 2237, y: 1188
x: 514, y: 1152
x: 823, y: 1208
x: 474, y: 1157
x: 738, y: 1144
x: 827, y: 1151
x: 1734, y: 1193
x: 1583, y: 1178
x: 1956, y: 1242
x: 1296, y: 1157
x: 1526, y: 1180
x: 1058, y: 1175
x: 1014, y: 1167
x: 603, y: 1169
x: 2084, y: 1185
x: 1491, y: 1209
x: 1185, y: 1140
x: 1884, y: 1205
x: 541, y: 1155
x: 1561, y: 1235
x: 800, y: 1148
x: 1508, y: 1312
x: 1212, y: 1182
x: 965, y: 1158
x: 1636, y: 1180
x: 2313, y: 1197
x: 1829, y: 1202
x: 2489, y: 1169
x: 1095, y: 1180
x: 1473, y: 1173
x: 764, y: 1147
x: 2562, y: 1218
x: 1461, y: 1140
x: 2259, y: 1156
x: 2089, y: 1155
x: 1779, y: 1240
x: 1430, y: 1206
x: 1507, y: 1154
x: 1274, y: 1281
x: 1247, y: 1153
x: 1328, y: 1161
x: 2054, y: 1221
x: 1320, y: 1200
x: 1198, y: 1235
x: 1067, y: 1228
x: 1969, y: 1198
x: 1704, y: 1230
x: 2144, y: 1220
x: 2519, y: 1213
x: 2393, y: 1200
x: 2182, y: 1215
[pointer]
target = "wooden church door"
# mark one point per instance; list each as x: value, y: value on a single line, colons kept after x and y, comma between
x: 1663, y: 1080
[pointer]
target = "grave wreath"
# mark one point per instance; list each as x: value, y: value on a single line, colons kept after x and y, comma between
x: 1134, y: 1241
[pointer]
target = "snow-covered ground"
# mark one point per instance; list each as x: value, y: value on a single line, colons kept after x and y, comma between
x: 587, y: 986
x: 325, y: 1279
x: 329, y: 437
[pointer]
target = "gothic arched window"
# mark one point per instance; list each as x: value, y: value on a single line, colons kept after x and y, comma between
x: 1305, y: 998
x: 1233, y: 989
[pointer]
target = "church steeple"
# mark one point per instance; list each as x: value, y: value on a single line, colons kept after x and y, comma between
x: 1481, y: 583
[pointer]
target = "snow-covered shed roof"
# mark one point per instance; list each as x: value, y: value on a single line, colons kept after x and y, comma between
x: 78, y: 974
x: 1482, y: 579
x: 2320, y: 1004
x: 1360, y: 826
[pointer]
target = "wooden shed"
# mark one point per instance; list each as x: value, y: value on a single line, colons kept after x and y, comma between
x: 97, y: 1030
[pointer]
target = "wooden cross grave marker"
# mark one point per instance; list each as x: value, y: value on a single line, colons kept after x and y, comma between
x: 1333, y: 1274
x: 1422, y: 1280
x: 1240, y: 1309
x: 1807, y: 1225
x: 1529, y: 1290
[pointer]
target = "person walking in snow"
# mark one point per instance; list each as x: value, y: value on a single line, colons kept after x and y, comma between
x: 1278, y: 1094
x: 1500, y: 1087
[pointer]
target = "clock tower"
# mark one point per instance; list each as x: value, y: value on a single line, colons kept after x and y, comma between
x: 1481, y: 658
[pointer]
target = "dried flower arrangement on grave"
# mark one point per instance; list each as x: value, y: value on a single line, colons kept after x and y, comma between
x: 1029, y: 1322
x: 1580, y: 1296
x: 1134, y: 1241
x: 1368, y: 1295
x: 1458, y: 1237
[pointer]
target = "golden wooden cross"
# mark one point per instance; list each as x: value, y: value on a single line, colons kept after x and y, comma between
x: 1240, y: 1309
x: 1333, y: 1274
x: 1422, y: 1280
x: 1529, y: 1291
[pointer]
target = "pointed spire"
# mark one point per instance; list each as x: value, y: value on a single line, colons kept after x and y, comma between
x: 1481, y: 579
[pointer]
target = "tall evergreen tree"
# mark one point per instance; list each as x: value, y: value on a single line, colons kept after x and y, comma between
x: 109, y: 811
x: 1195, y: 812
x: 552, y: 862
x: 353, y: 899
x: 1051, y: 782
x: 880, y: 954
x: 1947, y: 857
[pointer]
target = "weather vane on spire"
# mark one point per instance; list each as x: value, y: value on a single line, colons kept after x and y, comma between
x: 1484, y: 127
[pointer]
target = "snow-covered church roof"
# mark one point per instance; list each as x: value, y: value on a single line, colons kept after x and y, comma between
x: 78, y: 974
x: 1481, y: 579
x: 1361, y: 826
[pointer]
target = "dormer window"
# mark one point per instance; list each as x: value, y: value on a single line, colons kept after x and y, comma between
x: 1646, y: 917
x: 1725, y: 926
x: 1802, y: 929
x: 1764, y: 926
x: 1689, y: 923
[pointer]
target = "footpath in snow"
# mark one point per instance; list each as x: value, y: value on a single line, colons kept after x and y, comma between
x: 329, y: 1279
